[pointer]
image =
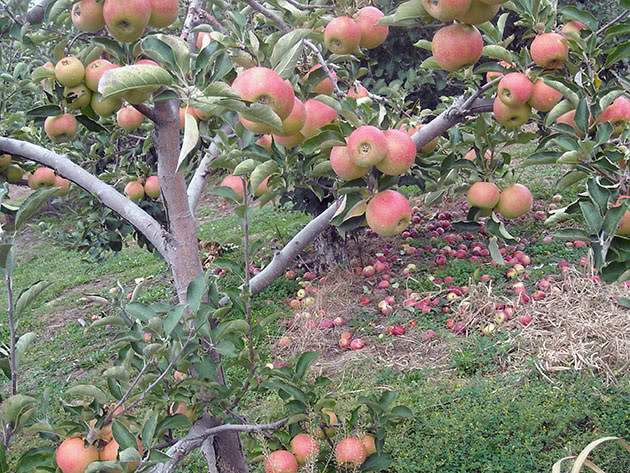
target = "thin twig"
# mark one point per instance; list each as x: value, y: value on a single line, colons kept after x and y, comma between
x: 322, y: 62
x: 244, y: 428
x: 609, y: 24
x: 309, y: 7
x: 12, y: 329
x: 269, y: 14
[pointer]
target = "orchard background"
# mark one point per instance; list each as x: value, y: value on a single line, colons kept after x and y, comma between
x: 242, y: 235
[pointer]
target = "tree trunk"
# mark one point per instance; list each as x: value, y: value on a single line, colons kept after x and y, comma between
x: 330, y: 250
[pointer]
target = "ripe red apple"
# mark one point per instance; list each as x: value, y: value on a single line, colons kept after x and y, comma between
x: 42, y: 176
x: 129, y: 118
x: 69, y: 71
x: 318, y: 114
x: 325, y: 86
x: 514, y: 89
x: 289, y: 141
x: 134, y: 190
x: 457, y: 46
x: 95, y: 70
x: 367, y: 146
x: 342, y: 35
x: 235, y: 183
x: 304, y: 447
x: 126, y: 19
x: 265, y: 86
x: 525, y: 319
x: 350, y: 452
x: 617, y: 114
x: 61, y: 128
x: 87, y: 15
x: 163, y: 13
x: 265, y: 142
x: 372, y: 36
x: 356, y: 344
x: 398, y: 330
x: 73, y: 457
x: 388, y: 213
x: 515, y: 201
x: 110, y: 453
x: 295, y: 121
x: 569, y: 119
x: 358, y: 92
x: 511, y: 117
x: 484, y: 195
x: 544, y: 97
x: 401, y: 153
x: 446, y: 10
x: 479, y: 12
x: 429, y: 334
x: 549, y: 50
x: 152, y: 187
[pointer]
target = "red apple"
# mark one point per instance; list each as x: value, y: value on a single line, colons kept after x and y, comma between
x: 549, y: 50
x: 446, y: 10
x: 125, y: 19
x: 129, y: 118
x: 304, y: 447
x: 163, y: 13
x: 281, y: 461
x: 350, y: 452
x: 372, y: 36
x: 87, y: 15
x: 342, y: 35
x: 73, y: 457
x: 515, y: 201
x: 457, y: 46
x: 515, y: 88
x: 265, y: 86
x: 388, y: 213
x: 61, y: 128
x: 401, y: 153
x: 511, y: 117
x: 544, y: 97
x: 356, y: 344
x: 484, y: 195
x: 343, y: 166
x: 367, y: 146
x: 318, y: 114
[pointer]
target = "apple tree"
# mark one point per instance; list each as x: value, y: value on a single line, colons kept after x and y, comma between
x: 202, y: 84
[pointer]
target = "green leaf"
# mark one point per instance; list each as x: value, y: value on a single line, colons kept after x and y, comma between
x: 620, y: 53
x: 32, y: 204
x: 172, y: 422
x: 16, y: 406
x: 569, y: 94
x: 564, y: 106
x: 402, y: 411
x: 87, y: 390
x: 423, y: 43
x: 592, y: 216
x: 38, y: 459
x: 139, y: 311
x: 497, y: 52
x: 172, y: 319
x: 387, y: 398
x: 196, y: 290
x: 572, y: 234
x: 28, y: 296
x: 286, y: 44
x: 494, y: 251
x: 582, y: 116
x: 261, y: 172
x: 181, y: 51
x: 227, y: 349
x: 409, y: 10
x: 624, y: 4
x: 579, y: 14
x: 304, y: 362
x: 191, y: 141
x: 376, y: 462
x: 233, y: 326
x: 109, y: 320
x: 612, y: 219
x: 22, y: 345
x: 42, y: 73
x: 326, y: 139
x: 599, y: 194
x: 624, y: 302
x: 286, y: 67
x: 245, y: 167
x: 117, y: 372
x: 102, y: 466
x: 122, y: 435
x: 127, y: 78
x: 4, y: 254
x: 159, y: 51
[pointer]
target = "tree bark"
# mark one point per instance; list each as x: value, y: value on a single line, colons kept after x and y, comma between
x: 330, y: 250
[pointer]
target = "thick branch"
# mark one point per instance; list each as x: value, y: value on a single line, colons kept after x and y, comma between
x: 109, y: 196
x: 193, y: 18
x: 456, y: 113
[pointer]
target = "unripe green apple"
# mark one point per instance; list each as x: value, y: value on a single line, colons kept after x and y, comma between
x: 134, y: 190
x: 446, y: 10
x: 401, y: 153
x: 544, y: 97
x: 372, y: 36
x: 369, y: 442
x: 129, y: 118
x: 107, y: 107
x: 126, y: 19
x: 343, y: 166
x: 318, y: 114
x: 484, y: 195
x: 549, y: 50
x: 87, y: 15
x: 342, y: 35
x: 5, y: 161
x: 13, y: 173
x: 457, y: 46
x: 163, y: 13
x: 367, y: 146
x: 511, y: 117
x: 514, y: 89
x: 61, y: 128
x: 69, y: 71
x: 515, y: 201
x: 77, y: 97
x: 388, y: 213
x: 478, y: 13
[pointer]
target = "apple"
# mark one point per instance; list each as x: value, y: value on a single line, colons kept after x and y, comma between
x: 281, y: 461
x: 511, y: 117
x: 69, y: 71
x: 265, y: 86
x: 134, y: 190
x: 398, y: 330
x: 126, y: 19
x: 446, y: 10
x: 457, y: 46
x: 323, y: 87
x: 129, y: 118
x: 202, y: 36
x: 493, y: 2
x: 5, y: 161
x: 110, y: 453
x: 61, y: 128
x: 624, y: 226
x: 107, y: 107
x: 13, y: 173
x: 514, y: 89
x: 484, y: 195
x: 295, y: 121
x: 152, y: 187
x: 544, y: 97
x: 318, y: 114
x: 358, y: 92
x: 368, y: 271
x: 265, y: 142
x: 549, y: 50
x: 372, y: 36
x: 573, y: 26
x: 87, y: 15
x: 515, y: 201
x: 369, y: 442
x: 43, y: 176
x: 617, y: 114
x: 388, y: 213
x: 525, y: 319
x: 350, y: 452
x: 235, y: 183
x: 401, y: 153
x: 479, y: 12
x: 95, y: 70
x: 367, y: 146
x: 491, y: 75
x: 304, y: 447
x: 342, y: 35
x: 73, y: 456
x: 77, y: 97
x: 163, y: 13
x: 428, y: 335
x: 356, y: 344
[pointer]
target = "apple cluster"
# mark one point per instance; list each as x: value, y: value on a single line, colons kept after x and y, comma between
x: 344, y: 34
x: 350, y: 452
x: 135, y: 190
x: 126, y: 20
x: 236, y: 184
x: 460, y: 44
x: 513, y: 202
x: 11, y: 171
x: 45, y: 177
